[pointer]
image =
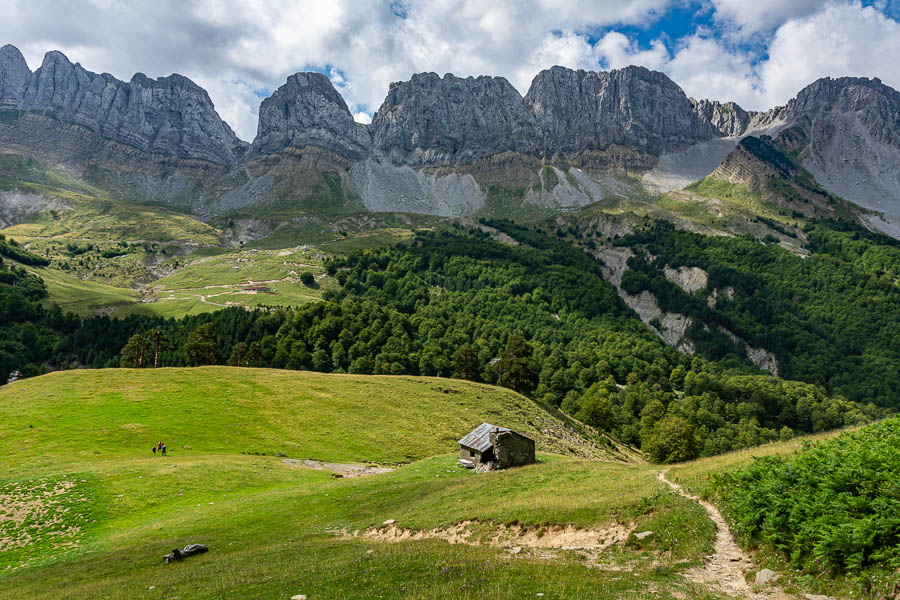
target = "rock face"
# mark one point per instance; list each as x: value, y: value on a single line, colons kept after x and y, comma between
x: 847, y: 134
x: 170, y: 116
x: 307, y: 110
x: 14, y: 76
x: 728, y: 118
x: 445, y: 145
x: 632, y: 107
x: 442, y: 121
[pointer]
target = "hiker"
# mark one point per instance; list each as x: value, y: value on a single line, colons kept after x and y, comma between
x: 163, y: 449
x: 154, y: 450
x: 159, y: 447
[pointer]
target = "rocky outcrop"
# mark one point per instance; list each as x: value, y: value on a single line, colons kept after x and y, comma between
x: 14, y: 77
x: 632, y: 107
x: 170, y: 116
x: 437, y: 121
x: 728, y: 118
x: 758, y: 165
x: 690, y: 279
x: 874, y: 104
x: 846, y: 132
x: 305, y: 111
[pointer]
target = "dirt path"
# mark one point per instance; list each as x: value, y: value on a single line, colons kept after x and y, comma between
x: 726, y: 569
x: 343, y: 469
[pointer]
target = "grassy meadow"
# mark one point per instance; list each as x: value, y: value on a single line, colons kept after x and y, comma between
x: 234, y: 480
x: 276, y: 530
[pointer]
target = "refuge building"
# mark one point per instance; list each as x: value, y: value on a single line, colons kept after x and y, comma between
x: 495, y: 448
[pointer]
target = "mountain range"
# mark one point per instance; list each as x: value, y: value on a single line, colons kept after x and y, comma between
x: 446, y: 145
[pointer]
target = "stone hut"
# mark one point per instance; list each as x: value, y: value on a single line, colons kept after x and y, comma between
x: 495, y: 448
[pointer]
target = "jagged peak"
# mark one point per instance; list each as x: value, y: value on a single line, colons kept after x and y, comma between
x: 10, y: 51
x: 54, y: 57
x: 305, y: 81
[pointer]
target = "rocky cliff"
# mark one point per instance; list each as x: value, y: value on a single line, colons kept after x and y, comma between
x: 441, y: 121
x: 728, y: 118
x: 444, y: 145
x: 170, y: 115
x: 305, y: 111
x: 846, y: 132
x: 632, y: 107
x: 14, y: 77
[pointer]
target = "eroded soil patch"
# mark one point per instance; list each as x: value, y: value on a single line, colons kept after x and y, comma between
x: 342, y: 469
x: 544, y: 541
x: 40, y: 518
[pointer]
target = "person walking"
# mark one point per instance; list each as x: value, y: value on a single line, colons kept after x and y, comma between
x: 163, y: 449
x: 159, y: 447
x: 154, y: 450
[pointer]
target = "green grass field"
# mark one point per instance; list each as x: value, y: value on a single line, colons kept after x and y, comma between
x: 275, y: 530
x: 234, y: 480
x: 82, y: 297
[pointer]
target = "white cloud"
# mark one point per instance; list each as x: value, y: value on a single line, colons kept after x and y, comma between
x: 756, y: 16
x: 840, y: 40
x: 362, y: 117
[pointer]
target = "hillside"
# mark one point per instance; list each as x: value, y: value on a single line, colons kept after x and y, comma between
x: 224, y: 410
x: 77, y: 452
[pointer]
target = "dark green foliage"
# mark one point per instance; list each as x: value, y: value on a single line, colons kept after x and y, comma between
x: 10, y: 249
x: 671, y: 440
x: 201, y: 345
x: 307, y: 279
x: 831, y: 319
x: 537, y: 317
x: 835, y: 506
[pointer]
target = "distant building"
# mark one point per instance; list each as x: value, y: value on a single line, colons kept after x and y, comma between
x: 495, y: 448
x: 258, y: 288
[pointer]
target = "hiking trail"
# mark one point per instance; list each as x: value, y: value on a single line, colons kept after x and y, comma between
x: 726, y: 569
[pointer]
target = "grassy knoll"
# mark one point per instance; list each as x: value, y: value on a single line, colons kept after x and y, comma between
x: 212, y: 282
x: 98, y: 218
x: 82, y: 297
x: 275, y: 530
x: 221, y: 410
x: 93, y: 431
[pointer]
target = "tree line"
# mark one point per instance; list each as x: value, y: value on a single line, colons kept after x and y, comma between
x: 536, y: 317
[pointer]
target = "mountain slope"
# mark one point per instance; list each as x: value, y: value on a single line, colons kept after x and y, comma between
x: 339, y: 418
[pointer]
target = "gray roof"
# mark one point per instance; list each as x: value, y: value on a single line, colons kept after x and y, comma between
x: 480, y: 438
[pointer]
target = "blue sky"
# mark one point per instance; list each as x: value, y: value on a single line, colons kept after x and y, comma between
x: 759, y: 53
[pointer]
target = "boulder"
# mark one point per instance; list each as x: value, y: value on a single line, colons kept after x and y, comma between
x: 189, y: 550
x: 765, y: 577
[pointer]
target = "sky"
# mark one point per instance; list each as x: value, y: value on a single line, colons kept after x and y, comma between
x: 759, y: 53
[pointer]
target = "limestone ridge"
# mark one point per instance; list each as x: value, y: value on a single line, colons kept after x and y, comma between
x: 846, y: 132
x: 729, y: 119
x: 632, y: 107
x: 14, y: 76
x: 431, y: 121
x: 434, y: 121
x: 170, y: 115
x: 307, y: 110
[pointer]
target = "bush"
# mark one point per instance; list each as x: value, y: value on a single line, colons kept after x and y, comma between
x: 672, y: 440
x: 833, y: 506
